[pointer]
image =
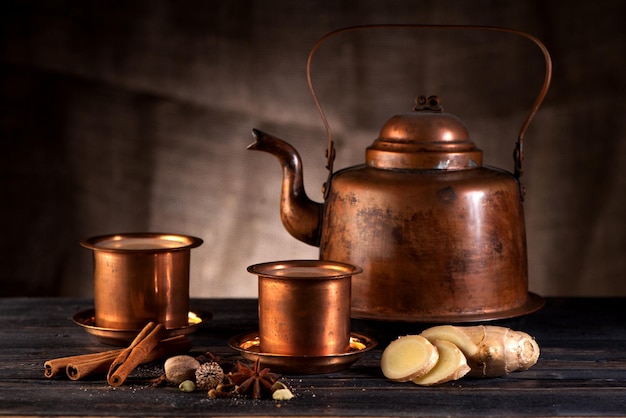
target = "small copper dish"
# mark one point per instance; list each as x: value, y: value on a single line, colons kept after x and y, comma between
x: 121, y: 337
x: 249, y: 346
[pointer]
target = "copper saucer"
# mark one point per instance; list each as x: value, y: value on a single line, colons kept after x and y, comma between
x: 533, y: 304
x: 248, y: 345
x: 122, y: 337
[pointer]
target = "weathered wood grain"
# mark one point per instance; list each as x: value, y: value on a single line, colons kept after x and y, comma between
x: 581, y: 371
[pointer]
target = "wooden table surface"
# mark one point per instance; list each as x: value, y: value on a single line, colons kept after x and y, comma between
x: 581, y: 371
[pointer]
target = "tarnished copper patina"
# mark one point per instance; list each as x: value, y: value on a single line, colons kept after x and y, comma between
x: 141, y: 277
x: 440, y: 237
x: 304, y: 307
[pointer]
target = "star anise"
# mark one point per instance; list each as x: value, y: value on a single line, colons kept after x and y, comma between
x: 255, y: 382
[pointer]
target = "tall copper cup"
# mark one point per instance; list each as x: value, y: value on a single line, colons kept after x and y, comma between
x: 304, y: 307
x: 141, y: 277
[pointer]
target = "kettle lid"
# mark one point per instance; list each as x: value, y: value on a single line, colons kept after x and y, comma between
x: 426, y: 138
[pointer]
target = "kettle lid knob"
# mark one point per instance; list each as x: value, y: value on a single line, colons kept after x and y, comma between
x: 426, y: 138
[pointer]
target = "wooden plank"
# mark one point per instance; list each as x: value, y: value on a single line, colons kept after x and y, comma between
x: 582, y: 370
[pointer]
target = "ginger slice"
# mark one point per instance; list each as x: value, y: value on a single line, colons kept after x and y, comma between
x: 408, y: 357
x: 452, y: 365
x: 455, y: 335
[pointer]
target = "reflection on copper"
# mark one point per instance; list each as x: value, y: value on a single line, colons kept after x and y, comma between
x: 249, y: 346
x: 141, y: 277
x: 304, y: 306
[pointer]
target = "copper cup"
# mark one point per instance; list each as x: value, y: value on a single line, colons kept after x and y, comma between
x: 304, y: 307
x: 141, y: 277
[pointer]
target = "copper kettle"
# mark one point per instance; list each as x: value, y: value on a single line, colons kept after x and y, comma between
x: 440, y: 237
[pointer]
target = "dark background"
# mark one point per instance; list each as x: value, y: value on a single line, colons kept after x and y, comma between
x: 135, y: 116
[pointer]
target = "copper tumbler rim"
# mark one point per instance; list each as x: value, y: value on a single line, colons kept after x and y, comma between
x: 333, y: 269
x: 176, y: 242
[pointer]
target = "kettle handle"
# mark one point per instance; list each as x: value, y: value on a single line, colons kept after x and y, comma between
x: 518, y: 153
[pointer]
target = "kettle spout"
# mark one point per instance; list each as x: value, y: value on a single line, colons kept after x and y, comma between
x: 301, y: 216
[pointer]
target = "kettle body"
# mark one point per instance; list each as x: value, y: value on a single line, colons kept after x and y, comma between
x: 434, y: 245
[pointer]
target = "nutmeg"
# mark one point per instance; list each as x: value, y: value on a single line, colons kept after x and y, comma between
x: 180, y: 368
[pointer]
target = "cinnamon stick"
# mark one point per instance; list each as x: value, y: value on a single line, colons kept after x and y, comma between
x: 55, y: 366
x: 80, y: 369
x: 137, y: 352
x: 83, y: 365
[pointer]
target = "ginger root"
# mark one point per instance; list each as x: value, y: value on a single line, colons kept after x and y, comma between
x: 408, y: 357
x: 491, y: 351
x: 446, y: 352
x: 452, y: 365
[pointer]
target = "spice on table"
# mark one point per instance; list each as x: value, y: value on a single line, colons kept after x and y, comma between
x: 167, y: 347
x: 226, y: 389
x: 254, y: 382
x: 209, y: 375
x: 56, y: 366
x: 187, y: 386
x: 282, y: 394
x: 84, y: 365
x: 180, y: 368
x: 76, y: 370
x: 135, y: 354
